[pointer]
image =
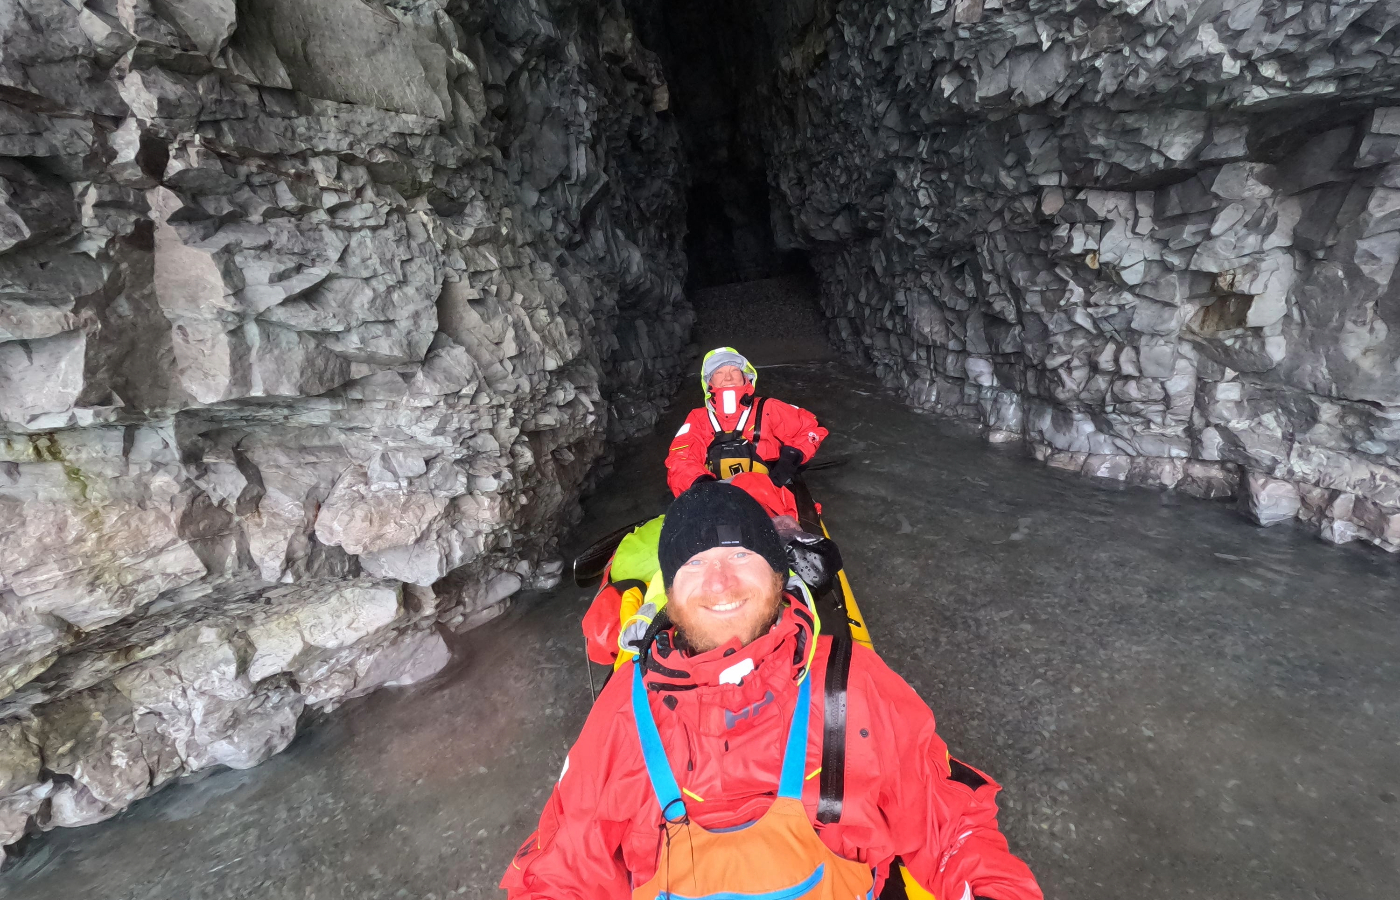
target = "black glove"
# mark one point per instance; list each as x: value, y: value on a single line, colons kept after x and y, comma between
x: 789, y: 459
x: 706, y: 477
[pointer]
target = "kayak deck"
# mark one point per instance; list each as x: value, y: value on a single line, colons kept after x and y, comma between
x: 836, y: 603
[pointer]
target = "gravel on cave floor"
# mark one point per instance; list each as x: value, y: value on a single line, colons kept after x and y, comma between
x: 1176, y: 702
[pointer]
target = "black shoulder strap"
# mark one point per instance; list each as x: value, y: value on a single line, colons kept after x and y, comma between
x: 758, y: 421
x: 833, y: 777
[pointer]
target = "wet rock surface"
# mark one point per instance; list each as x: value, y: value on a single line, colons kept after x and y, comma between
x: 774, y: 321
x: 314, y: 317
x: 1176, y: 702
x: 1157, y: 241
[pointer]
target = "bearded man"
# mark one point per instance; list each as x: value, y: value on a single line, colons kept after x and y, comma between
x: 713, y: 767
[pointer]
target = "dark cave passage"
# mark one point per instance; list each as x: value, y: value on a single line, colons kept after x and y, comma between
x: 719, y: 62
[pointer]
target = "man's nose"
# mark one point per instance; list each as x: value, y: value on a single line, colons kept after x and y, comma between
x: 718, y: 578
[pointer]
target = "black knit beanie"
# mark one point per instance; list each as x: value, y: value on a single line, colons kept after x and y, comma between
x: 714, y: 514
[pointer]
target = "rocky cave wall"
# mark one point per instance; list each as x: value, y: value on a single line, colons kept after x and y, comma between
x: 1156, y: 240
x: 314, y: 317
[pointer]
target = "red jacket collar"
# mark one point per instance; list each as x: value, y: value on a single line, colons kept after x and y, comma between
x: 694, y: 686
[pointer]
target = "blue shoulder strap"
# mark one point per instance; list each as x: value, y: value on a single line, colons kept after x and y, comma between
x: 795, y: 756
x: 668, y: 793
x: 663, y: 782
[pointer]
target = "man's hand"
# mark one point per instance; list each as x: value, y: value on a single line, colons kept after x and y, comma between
x: 781, y: 472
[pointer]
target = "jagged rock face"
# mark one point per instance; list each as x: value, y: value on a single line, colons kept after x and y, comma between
x: 314, y: 316
x: 1157, y: 240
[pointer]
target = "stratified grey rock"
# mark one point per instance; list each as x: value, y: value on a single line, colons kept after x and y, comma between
x: 210, y: 676
x: 1144, y: 238
x: 22, y: 791
x: 314, y: 317
x: 1270, y: 500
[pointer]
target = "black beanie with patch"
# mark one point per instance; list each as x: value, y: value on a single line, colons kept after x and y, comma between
x: 714, y: 514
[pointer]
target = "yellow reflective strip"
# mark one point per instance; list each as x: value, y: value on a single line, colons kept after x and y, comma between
x: 692, y: 796
x: 815, y: 772
x: 681, y: 447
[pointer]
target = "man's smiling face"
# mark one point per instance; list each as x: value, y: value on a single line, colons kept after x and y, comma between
x: 722, y: 594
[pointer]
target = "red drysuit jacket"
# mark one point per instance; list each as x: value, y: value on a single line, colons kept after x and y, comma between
x: 783, y: 424
x: 601, y: 831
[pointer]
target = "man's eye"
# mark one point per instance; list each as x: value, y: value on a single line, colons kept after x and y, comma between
x: 695, y: 562
x: 741, y: 555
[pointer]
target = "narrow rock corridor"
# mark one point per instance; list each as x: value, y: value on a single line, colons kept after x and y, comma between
x: 331, y: 329
x: 1176, y: 702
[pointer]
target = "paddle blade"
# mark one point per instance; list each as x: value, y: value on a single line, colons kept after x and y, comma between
x: 589, y: 565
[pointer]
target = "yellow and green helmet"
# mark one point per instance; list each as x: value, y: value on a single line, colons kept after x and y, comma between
x: 720, y: 357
